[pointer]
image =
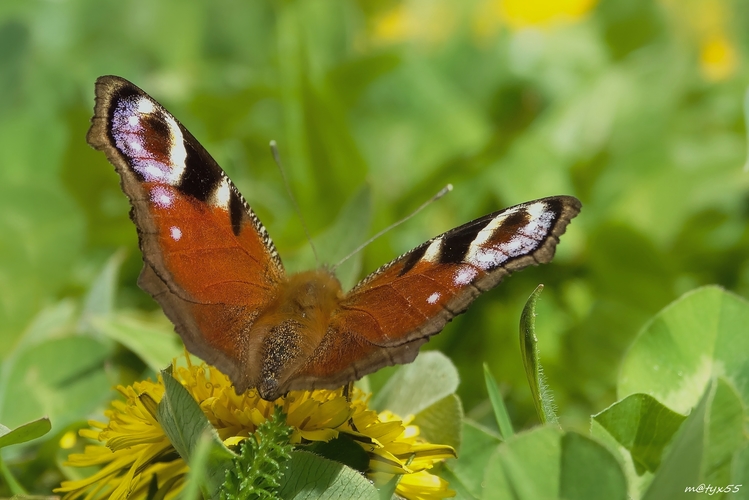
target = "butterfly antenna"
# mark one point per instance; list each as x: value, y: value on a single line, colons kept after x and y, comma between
x: 277, y: 158
x: 442, y: 192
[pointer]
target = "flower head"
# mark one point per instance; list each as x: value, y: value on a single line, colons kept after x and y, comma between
x: 137, y: 450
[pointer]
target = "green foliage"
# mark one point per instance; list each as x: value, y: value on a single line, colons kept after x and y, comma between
x: 187, y: 428
x: 26, y: 432
x: 21, y: 434
x: 643, y: 426
x: 540, y: 392
x: 375, y: 106
x: 500, y: 410
x: 258, y: 471
x: 312, y: 477
x: 700, y: 336
x: 639, y: 447
x: 415, y: 387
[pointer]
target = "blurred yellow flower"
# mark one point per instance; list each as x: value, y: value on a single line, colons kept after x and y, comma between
x: 491, y: 15
x: 708, y: 24
x: 137, y: 450
x: 717, y: 58
x: 429, y: 22
x: 524, y: 13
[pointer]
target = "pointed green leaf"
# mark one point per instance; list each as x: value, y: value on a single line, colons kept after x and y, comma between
x: 185, y: 425
x: 542, y: 396
x: 26, y: 432
x: 498, y: 404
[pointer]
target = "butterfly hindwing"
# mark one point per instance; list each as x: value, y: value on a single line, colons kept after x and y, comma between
x: 389, y: 314
x: 207, y: 258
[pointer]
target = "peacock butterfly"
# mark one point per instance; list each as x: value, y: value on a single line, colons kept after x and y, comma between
x: 212, y: 267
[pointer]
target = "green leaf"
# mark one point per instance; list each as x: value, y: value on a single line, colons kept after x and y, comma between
x: 542, y: 397
x: 21, y: 434
x: 53, y: 321
x: 42, y: 228
x: 99, y: 300
x: 701, y: 334
x: 12, y: 483
x: 681, y: 466
x: 26, y: 432
x: 198, y: 474
x: 185, y: 425
x: 416, y: 386
x: 310, y: 477
x: 548, y: 463
x: 466, y: 473
x: 498, y: 405
x: 156, y: 344
x: 740, y: 472
x: 62, y: 378
x: 706, y: 447
x: 724, y: 432
x: 442, y: 422
x: 387, y: 490
x: 589, y: 470
x: 643, y: 426
x: 527, y: 466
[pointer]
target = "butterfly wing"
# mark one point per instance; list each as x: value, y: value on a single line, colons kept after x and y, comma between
x: 391, y: 313
x: 208, y: 260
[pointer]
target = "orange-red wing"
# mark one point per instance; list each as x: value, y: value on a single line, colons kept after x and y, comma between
x: 387, y: 316
x: 207, y: 258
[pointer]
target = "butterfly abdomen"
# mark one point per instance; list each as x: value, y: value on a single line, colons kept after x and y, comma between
x: 285, y: 336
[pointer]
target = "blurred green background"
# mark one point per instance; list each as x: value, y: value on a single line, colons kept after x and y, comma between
x: 634, y: 107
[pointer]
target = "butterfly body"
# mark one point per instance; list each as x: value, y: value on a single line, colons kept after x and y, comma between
x: 210, y: 264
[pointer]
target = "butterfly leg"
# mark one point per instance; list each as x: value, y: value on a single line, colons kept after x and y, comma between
x: 347, y: 390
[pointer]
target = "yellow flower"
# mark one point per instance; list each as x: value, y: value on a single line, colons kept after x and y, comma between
x: 137, y: 450
x: 708, y: 24
x: 491, y: 15
x: 522, y: 13
x: 429, y: 23
x: 718, y: 58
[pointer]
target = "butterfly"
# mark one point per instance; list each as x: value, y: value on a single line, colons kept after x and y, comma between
x: 213, y: 268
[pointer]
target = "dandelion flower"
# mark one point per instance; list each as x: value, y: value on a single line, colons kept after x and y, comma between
x: 138, y: 455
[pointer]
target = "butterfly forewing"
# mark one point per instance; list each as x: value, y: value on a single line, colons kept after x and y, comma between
x: 208, y: 260
x: 387, y: 316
